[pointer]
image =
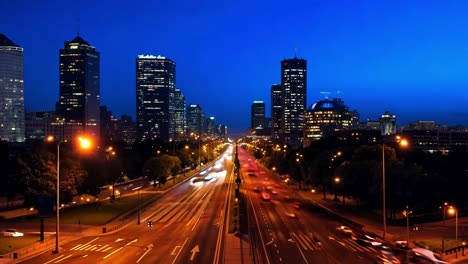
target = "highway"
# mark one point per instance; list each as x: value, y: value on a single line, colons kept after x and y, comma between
x: 293, y: 231
x: 187, y: 227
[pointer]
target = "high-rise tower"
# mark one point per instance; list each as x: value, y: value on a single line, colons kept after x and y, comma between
x: 294, y: 99
x: 179, y: 113
x: 11, y: 91
x: 80, y: 85
x: 257, y: 114
x: 155, y: 88
x: 276, y: 111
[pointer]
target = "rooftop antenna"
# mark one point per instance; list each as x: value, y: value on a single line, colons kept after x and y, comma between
x: 78, y: 25
x: 295, y: 52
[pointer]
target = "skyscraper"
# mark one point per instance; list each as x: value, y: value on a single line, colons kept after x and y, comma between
x: 195, y: 119
x: 387, y: 124
x: 155, y: 88
x: 257, y: 114
x: 294, y: 99
x: 276, y: 111
x: 11, y: 91
x: 80, y: 86
x: 179, y: 113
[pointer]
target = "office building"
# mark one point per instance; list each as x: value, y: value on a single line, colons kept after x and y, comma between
x: 327, y: 118
x: 12, y: 126
x: 80, y: 86
x: 179, y: 114
x: 276, y: 111
x: 155, y: 89
x: 294, y: 99
x: 195, y: 119
x: 387, y: 124
x: 257, y: 115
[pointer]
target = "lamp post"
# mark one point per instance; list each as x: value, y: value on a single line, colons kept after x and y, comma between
x: 337, y: 181
x: 406, y: 213
x: 452, y: 211
x: 138, y: 210
x: 85, y: 143
x: 443, y: 207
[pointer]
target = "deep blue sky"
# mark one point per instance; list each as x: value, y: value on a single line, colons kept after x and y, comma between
x: 408, y: 57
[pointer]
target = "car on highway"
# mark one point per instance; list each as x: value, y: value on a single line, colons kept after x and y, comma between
x: 256, y: 189
x: 12, y: 233
x: 427, y: 254
x: 387, y: 259
x: 274, y: 192
x: 345, y: 230
x: 366, y: 239
x: 266, y: 196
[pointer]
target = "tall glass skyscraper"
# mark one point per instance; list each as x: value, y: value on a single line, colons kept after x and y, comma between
x: 276, y: 111
x: 80, y: 85
x: 294, y: 99
x: 11, y: 91
x: 257, y: 115
x: 155, y: 89
x: 179, y: 113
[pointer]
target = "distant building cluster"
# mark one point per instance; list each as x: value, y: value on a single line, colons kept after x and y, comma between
x: 161, y: 111
x: 293, y: 124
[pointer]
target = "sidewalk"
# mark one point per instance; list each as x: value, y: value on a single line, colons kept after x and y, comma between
x: 373, y: 223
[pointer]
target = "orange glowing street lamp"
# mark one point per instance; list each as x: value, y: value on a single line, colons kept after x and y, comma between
x: 84, y: 143
x: 454, y: 211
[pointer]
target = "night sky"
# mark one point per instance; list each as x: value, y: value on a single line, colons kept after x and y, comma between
x: 408, y: 57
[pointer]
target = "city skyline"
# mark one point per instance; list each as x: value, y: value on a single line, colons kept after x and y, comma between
x: 407, y: 58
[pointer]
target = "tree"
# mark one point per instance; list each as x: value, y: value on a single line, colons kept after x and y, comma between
x: 158, y: 168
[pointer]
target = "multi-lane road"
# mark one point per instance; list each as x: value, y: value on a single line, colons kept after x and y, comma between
x: 189, y: 224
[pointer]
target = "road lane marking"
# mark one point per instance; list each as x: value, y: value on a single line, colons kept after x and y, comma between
x: 62, y: 259
x: 75, y: 247
x: 112, y: 253
x: 52, y: 260
x: 300, y: 250
x: 194, y: 251
x: 85, y: 244
x: 102, y: 247
x: 180, y: 251
x: 176, y: 248
x: 149, y: 248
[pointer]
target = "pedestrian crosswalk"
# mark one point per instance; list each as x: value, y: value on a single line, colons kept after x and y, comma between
x: 305, y: 241
x: 91, y: 247
x: 354, y: 246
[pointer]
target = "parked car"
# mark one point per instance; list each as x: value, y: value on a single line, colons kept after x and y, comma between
x: 12, y: 233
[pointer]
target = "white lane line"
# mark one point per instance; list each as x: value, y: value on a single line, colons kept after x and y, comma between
x: 106, y: 249
x: 52, y: 260
x: 175, y: 258
x: 75, y: 247
x: 112, y: 253
x: 102, y: 247
x: 63, y: 259
x: 144, y: 254
x: 85, y: 244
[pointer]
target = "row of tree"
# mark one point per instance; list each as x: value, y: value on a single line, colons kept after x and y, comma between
x: 414, y: 178
x: 29, y: 173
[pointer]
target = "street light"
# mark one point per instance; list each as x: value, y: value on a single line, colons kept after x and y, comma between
x: 443, y: 207
x: 138, y: 189
x: 337, y: 181
x: 84, y: 143
x: 453, y: 211
x: 403, y: 143
x: 406, y: 213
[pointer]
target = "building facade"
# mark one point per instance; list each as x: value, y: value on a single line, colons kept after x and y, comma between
x: 257, y: 115
x: 12, y: 127
x: 195, y: 119
x: 155, y: 89
x: 388, y: 124
x: 294, y: 99
x: 327, y: 118
x: 179, y: 113
x: 80, y: 86
x: 276, y: 111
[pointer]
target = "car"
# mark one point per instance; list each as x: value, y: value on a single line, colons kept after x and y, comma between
x: 266, y: 196
x: 256, y: 189
x: 366, y: 240
x: 274, y: 192
x: 427, y: 254
x: 345, y: 230
x: 12, y: 233
x: 291, y: 215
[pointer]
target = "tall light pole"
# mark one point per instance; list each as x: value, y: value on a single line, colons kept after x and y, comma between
x: 452, y: 211
x: 138, y: 210
x: 85, y: 143
x: 406, y: 213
